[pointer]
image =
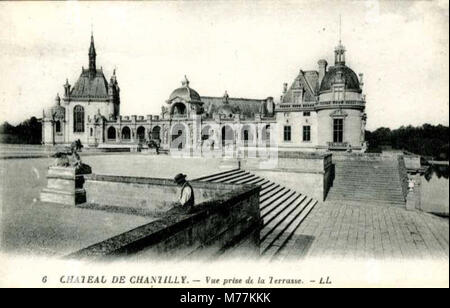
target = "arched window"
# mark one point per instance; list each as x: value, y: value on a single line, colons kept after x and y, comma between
x: 111, y: 133
x: 58, y: 126
x: 206, y: 132
x: 126, y: 133
x: 140, y: 133
x: 178, y: 136
x: 227, y: 135
x: 78, y: 119
x: 247, y: 135
x: 179, y: 109
x: 156, y: 133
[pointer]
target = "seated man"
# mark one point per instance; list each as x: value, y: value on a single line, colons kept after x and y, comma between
x: 186, y: 199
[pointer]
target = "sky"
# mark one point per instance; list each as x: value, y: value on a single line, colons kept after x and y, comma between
x: 249, y: 48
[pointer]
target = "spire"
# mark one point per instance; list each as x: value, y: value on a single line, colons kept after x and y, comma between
x: 340, y: 28
x: 339, y: 51
x: 92, y: 55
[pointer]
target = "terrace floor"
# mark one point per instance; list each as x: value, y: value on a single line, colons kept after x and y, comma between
x: 344, y: 230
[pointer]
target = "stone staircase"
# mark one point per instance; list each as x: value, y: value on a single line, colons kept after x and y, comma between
x: 282, y: 209
x: 367, y: 181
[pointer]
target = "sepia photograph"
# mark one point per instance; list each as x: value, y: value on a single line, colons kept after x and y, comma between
x: 224, y: 144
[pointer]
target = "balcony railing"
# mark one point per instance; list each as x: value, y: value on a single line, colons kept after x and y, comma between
x: 321, y: 104
x: 342, y: 102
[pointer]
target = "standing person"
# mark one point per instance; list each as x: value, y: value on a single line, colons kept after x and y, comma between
x: 186, y: 199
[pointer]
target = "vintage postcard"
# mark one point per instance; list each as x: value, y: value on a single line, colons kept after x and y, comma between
x: 229, y: 144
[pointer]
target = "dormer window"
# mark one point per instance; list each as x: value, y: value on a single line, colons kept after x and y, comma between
x: 298, y: 96
x: 338, y: 93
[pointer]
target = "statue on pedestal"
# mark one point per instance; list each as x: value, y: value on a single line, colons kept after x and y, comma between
x: 72, y: 159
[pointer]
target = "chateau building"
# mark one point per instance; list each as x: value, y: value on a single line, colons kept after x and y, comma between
x: 321, y: 110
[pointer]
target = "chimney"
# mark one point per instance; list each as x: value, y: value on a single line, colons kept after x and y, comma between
x: 285, y: 85
x: 322, y: 69
x: 361, y: 80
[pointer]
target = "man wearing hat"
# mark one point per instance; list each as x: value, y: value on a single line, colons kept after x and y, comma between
x: 187, y: 193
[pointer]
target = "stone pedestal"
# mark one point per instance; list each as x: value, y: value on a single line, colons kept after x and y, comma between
x: 65, y: 186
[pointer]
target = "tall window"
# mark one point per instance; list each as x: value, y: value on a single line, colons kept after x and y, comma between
x: 58, y: 126
x: 306, y: 133
x: 287, y: 133
x: 338, y: 130
x: 78, y: 119
x: 126, y: 133
x: 111, y: 133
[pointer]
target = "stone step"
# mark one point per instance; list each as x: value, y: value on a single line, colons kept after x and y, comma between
x: 367, y: 189
x: 242, y: 180
x: 366, y: 175
x: 286, y: 230
x: 230, y: 178
x: 259, y: 181
x: 282, y: 209
x: 280, y: 215
x: 218, y: 175
x: 332, y: 197
x: 265, y: 190
x: 368, y: 198
x: 274, y: 212
x: 272, y: 203
x: 270, y: 197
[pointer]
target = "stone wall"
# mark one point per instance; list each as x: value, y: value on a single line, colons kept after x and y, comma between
x: 306, y: 173
x: 229, y: 220
x: 148, y: 195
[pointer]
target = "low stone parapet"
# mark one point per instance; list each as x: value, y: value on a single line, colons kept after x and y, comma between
x: 224, y: 216
x: 307, y: 172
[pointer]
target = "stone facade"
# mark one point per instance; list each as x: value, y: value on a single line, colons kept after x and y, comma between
x: 321, y: 110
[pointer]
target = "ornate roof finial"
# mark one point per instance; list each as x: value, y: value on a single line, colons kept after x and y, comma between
x: 339, y: 51
x: 57, y: 99
x: 185, y: 82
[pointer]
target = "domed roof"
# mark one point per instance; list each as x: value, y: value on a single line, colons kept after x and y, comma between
x: 185, y: 92
x: 56, y: 111
x: 340, y: 72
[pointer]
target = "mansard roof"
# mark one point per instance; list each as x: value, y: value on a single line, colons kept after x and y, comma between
x: 90, y: 87
x: 307, y: 80
x: 244, y: 106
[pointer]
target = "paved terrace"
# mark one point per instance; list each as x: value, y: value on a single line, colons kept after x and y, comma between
x: 348, y: 229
